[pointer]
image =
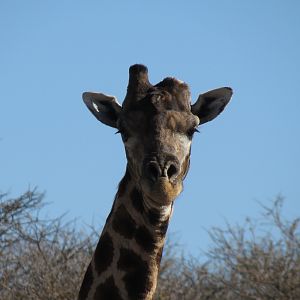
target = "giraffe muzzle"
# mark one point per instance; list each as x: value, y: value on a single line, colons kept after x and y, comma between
x: 155, y: 170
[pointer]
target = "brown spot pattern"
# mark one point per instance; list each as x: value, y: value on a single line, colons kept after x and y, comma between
x: 136, y: 279
x: 137, y: 200
x: 123, y: 223
x: 154, y: 216
x: 154, y: 219
x: 86, y: 284
x: 104, y: 253
x: 107, y: 291
x: 145, y: 239
x: 158, y: 256
x: 123, y: 184
x: 163, y: 227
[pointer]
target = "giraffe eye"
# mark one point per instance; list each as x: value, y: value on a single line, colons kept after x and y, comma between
x: 191, y: 132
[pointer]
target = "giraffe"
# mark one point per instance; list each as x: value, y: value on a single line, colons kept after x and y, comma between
x: 157, y: 124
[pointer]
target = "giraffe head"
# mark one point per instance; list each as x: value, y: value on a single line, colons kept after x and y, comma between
x: 157, y: 124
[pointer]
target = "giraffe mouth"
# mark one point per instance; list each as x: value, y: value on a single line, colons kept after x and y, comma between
x: 163, y: 191
x: 160, y: 178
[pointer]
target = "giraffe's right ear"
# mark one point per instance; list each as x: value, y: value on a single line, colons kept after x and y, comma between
x: 105, y: 108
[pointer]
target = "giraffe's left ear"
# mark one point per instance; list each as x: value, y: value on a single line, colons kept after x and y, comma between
x: 210, y: 104
x: 105, y: 108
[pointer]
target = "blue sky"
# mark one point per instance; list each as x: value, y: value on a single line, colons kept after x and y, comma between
x: 52, y: 51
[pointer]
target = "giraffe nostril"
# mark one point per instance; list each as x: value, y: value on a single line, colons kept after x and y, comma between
x: 163, y: 169
x: 153, y: 171
x: 172, y: 171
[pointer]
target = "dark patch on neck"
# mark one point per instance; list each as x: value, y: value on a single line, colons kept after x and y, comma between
x: 145, y: 239
x: 86, y: 284
x: 154, y: 216
x: 136, y: 278
x: 163, y: 227
x: 123, y: 223
x: 158, y: 256
x: 110, y: 213
x: 104, y: 253
x: 107, y: 291
x: 123, y: 184
x: 137, y: 200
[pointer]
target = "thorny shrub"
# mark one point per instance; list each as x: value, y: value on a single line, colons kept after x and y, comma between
x: 44, y: 259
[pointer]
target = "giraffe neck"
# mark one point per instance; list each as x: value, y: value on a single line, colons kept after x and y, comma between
x: 126, y: 261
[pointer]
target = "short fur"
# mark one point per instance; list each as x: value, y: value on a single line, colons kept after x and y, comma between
x: 157, y: 123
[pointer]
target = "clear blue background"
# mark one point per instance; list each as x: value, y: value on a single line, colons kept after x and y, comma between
x: 52, y: 51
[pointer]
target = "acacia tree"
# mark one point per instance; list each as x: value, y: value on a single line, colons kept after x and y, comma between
x: 46, y: 258
x: 258, y: 260
x: 40, y: 258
